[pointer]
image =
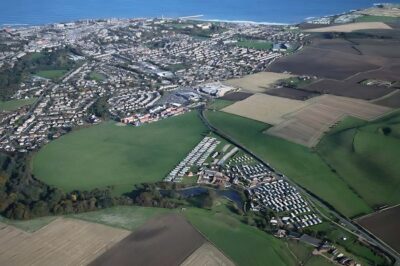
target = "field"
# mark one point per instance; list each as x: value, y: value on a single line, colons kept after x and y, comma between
x: 384, y: 19
x: 319, y: 261
x: 385, y: 225
x: 343, y: 62
x: 392, y: 100
x: 301, y: 164
x: 325, y: 63
x: 167, y: 240
x: 15, y: 104
x: 365, y: 155
x: 236, y: 96
x: 207, y: 255
x: 341, y: 88
x: 259, y: 82
x: 352, y: 27
x: 29, y: 226
x: 124, y: 217
x: 295, y: 94
x: 109, y: 155
x: 62, y: 242
x: 308, y: 125
x: 51, y: 74
x: 374, y: 11
x: 265, y: 108
x: 244, y: 244
x: 96, y: 76
x: 218, y: 104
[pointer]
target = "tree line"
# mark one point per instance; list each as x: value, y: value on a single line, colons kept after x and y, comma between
x: 22, y: 196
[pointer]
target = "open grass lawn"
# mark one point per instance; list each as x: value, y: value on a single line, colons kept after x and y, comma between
x: 255, y: 44
x: 96, y: 76
x: 366, y: 157
x: 302, y: 251
x: 15, y: 104
x: 51, y: 74
x: 301, y: 164
x: 244, y: 244
x: 120, y: 156
x: 125, y: 217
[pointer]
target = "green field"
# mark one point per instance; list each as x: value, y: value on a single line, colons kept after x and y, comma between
x: 15, y: 104
x: 218, y: 104
x: 301, y: 164
x: 376, y: 19
x: 96, y: 76
x: 125, y: 217
x: 255, y: 44
x: 302, y: 251
x: 366, y: 157
x: 29, y: 225
x: 319, y: 261
x: 244, y: 244
x: 51, y: 74
x: 120, y: 156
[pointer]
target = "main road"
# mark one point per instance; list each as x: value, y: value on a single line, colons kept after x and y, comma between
x: 343, y: 221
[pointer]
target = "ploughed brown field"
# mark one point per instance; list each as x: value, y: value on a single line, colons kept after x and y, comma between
x: 326, y: 63
x: 62, y: 242
x: 343, y: 62
x: 307, y: 126
x: 295, y: 94
x: 236, y: 96
x: 348, y: 89
x: 385, y: 225
x: 166, y: 240
x: 392, y: 100
x: 353, y: 87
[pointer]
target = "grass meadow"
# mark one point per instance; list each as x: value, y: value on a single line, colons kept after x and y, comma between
x: 15, y: 104
x: 119, y: 156
x: 302, y: 165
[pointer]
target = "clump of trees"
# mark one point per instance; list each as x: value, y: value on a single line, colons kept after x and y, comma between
x: 11, y: 77
x: 150, y: 195
x: 100, y: 107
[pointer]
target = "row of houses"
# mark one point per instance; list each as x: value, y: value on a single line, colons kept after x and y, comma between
x: 155, y: 114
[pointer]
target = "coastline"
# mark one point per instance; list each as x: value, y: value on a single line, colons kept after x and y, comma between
x: 197, y: 17
x: 247, y: 22
x: 193, y: 18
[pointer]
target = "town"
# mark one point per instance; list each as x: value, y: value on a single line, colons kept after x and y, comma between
x: 136, y: 71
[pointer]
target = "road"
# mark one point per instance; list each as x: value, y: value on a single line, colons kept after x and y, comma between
x: 344, y: 222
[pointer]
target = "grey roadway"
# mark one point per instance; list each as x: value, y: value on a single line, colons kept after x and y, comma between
x: 344, y: 222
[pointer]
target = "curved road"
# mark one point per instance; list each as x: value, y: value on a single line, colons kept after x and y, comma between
x: 344, y: 222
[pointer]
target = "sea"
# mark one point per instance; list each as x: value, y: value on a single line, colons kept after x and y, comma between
x: 38, y: 12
